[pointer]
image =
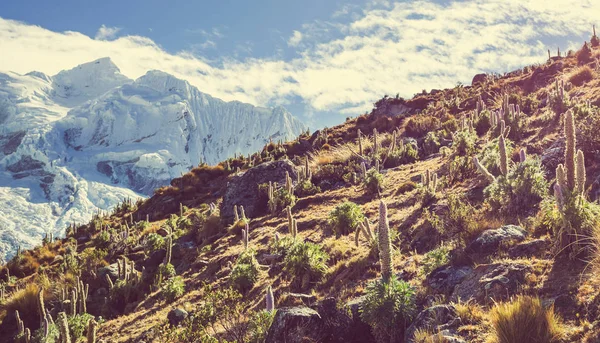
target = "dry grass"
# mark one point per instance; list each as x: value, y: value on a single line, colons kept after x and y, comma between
x: 25, y: 301
x: 581, y: 75
x: 524, y: 320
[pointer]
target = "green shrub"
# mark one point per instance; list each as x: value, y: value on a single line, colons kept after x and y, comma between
x: 258, y: 326
x: 306, y: 188
x: 374, y: 181
x: 588, y: 123
x: 408, y: 154
x: 520, y: 191
x: 388, y: 309
x: 419, y: 125
x: 435, y: 258
x: 306, y: 263
x: 345, y: 218
x: 102, y: 240
x: 482, y: 123
x: 245, y: 272
x: 78, y: 325
x: 164, y: 272
x: 431, y: 144
x: 173, y: 288
x: 490, y: 155
x: 154, y: 242
x: 463, y: 142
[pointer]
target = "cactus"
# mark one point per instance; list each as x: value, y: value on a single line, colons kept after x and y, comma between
x: 503, y: 155
x: 242, y: 213
x: 385, y: 244
x: 245, y: 234
x: 307, y: 172
x: 558, y: 196
x: 522, y: 155
x: 483, y: 170
x: 91, y: 332
x: 270, y: 300
x: 41, y: 308
x: 288, y: 183
x: 73, y: 302
x: 272, y: 203
x: 570, y: 149
x: 20, y: 324
x: 169, y: 250
x: 561, y: 177
x: 290, y: 220
x: 363, y: 169
x: 236, y: 216
x: 63, y: 327
x: 360, y: 146
x: 580, y: 172
x: 295, y: 228
x: 108, y: 281
x: 28, y: 335
x: 434, y: 182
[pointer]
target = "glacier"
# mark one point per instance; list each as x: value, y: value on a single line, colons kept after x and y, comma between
x: 88, y: 138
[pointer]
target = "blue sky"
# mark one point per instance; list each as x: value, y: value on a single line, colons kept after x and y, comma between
x: 323, y: 60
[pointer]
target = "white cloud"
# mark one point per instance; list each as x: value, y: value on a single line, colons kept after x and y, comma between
x: 106, y: 33
x: 295, y: 39
x: 387, y: 48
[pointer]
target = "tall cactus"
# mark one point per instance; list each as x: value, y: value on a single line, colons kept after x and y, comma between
x: 503, y: 155
x: 169, y: 250
x: 20, y: 324
x: 580, y: 172
x: 91, y: 332
x: 375, y: 142
x: 63, y: 327
x: 522, y: 155
x: 41, y: 308
x: 245, y: 234
x: 270, y: 300
x: 236, y: 216
x: 561, y: 176
x: 570, y: 149
x: 483, y: 170
x: 385, y: 244
x: 360, y: 146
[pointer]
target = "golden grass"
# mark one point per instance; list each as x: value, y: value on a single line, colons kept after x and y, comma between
x: 25, y: 301
x: 524, y: 320
x: 581, y: 75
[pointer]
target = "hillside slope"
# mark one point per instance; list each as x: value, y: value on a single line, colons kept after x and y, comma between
x: 477, y: 251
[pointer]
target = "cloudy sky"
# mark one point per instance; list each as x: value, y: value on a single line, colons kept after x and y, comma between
x: 322, y: 59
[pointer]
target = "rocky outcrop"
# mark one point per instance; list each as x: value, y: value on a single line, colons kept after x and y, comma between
x: 490, y: 240
x: 295, y: 325
x: 535, y: 247
x: 435, y: 318
x: 176, y: 316
x: 445, y: 278
x: 497, y: 281
x: 242, y: 189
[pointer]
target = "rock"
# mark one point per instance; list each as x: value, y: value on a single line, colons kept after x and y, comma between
x: 445, y: 278
x: 554, y: 155
x: 536, y: 247
x: 154, y: 260
x: 489, y: 240
x: 337, y: 325
x: 361, y: 330
x: 497, y: 281
x: 176, y: 316
x: 479, y: 78
x: 162, y: 232
x: 306, y: 299
x: 295, y: 325
x: 242, y: 190
x: 112, y: 270
x: 180, y: 249
x: 435, y: 318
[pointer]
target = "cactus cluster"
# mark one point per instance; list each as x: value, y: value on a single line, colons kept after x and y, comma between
x: 429, y: 180
x: 503, y: 156
x: 239, y: 214
x: 570, y: 177
x: 365, y: 229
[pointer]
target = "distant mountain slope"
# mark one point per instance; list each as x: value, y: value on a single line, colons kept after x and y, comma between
x: 88, y: 137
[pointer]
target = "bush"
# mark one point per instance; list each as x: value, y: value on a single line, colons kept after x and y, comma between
x: 490, y: 155
x: 587, y: 129
x: 345, y: 218
x: 388, y: 309
x: 374, y: 181
x: 245, y: 272
x: 524, y: 320
x: 305, y: 262
x: 581, y: 75
x: 434, y: 259
x: 408, y: 154
x: 520, y: 191
x: 25, y: 301
x: 419, y: 125
x: 463, y: 142
x: 306, y: 188
x: 154, y: 242
x: 124, y: 293
x: 173, y: 288
x: 431, y: 145
x: 102, y: 240
x: 78, y: 325
x: 482, y: 123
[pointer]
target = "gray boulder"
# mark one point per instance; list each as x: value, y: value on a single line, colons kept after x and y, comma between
x: 295, y: 325
x: 176, y: 316
x: 535, y: 247
x: 489, y: 240
x: 435, y: 318
x: 497, y: 281
x: 445, y: 278
x: 242, y: 189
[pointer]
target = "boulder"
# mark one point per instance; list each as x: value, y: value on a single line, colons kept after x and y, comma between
x: 490, y: 240
x: 295, y: 325
x: 337, y: 325
x: 479, y: 78
x: 435, y: 318
x: 497, y: 281
x: 443, y: 279
x: 361, y: 331
x: 536, y: 247
x: 554, y: 155
x: 242, y: 189
x: 176, y: 316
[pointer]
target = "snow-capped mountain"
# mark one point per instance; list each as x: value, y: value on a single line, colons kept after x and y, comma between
x: 88, y: 137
